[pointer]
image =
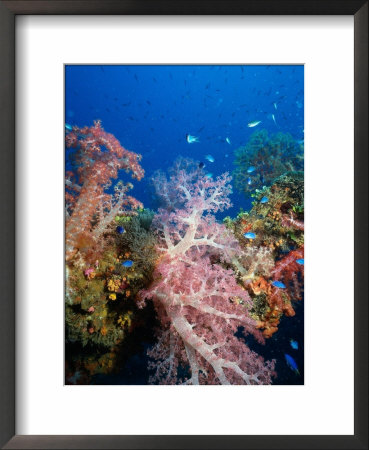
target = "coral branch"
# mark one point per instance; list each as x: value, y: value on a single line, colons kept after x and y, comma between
x: 199, y: 303
x: 97, y: 156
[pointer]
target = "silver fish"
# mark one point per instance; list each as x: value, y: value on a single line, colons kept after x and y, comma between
x: 191, y: 139
x: 254, y: 124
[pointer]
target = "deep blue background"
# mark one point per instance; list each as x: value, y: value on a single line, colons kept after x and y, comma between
x: 150, y: 109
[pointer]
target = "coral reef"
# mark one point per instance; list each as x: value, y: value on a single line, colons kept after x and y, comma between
x: 205, y: 285
x: 276, y: 222
x: 198, y: 301
x: 101, y: 308
x: 104, y: 228
x: 265, y: 158
x: 97, y: 157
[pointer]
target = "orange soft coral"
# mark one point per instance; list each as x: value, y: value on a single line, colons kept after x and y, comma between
x: 259, y: 285
x: 97, y: 156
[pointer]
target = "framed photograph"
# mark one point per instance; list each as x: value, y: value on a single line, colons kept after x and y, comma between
x: 165, y: 168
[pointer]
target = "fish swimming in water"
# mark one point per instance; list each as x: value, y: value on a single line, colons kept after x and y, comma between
x: 249, y: 181
x: 279, y: 284
x: 120, y: 230
x: 254, y: 124
x: 275, y: 105
x: 210, y: 158
x: 291, y: 363
x: 68, y: 127
x: 294, y: 344
x: 127, y: 263
x: 300, y: 261
x: 191, y: 139
x: 228, y: 140
x: 201, y: 165
x: 251, y: 169
x: 264, y: 200
x: 273, y: 117
x: 250, y: 235
x: 209, y: 175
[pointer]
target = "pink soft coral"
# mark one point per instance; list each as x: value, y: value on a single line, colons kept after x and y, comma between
x: 199, y: 303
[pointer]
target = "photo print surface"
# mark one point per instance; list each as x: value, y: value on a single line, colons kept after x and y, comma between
x: 184, y: 224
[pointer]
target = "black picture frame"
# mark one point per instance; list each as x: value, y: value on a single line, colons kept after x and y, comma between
x: 8, y: 11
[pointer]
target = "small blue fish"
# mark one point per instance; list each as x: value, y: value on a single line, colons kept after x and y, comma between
x: 251, y: 169
x: 294, y: 344
x: 120, y: 230
x: 300, y: 261
x: 291, y: 363
x: 191, y: 139
x: 68, y: 127
x: 209, y: 175
x: 279, y: 284
x: 228, y: 140
x: 249, y: 181
x: 201, y: 165
x: 127, y: 263
x: 210, y: 158
x: 250, y: 235
x: 264, y: 200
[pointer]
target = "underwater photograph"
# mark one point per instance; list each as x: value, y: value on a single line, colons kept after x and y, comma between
x: 184, y: 224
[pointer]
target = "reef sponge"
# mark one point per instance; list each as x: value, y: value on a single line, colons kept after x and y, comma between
x: 265, y: 158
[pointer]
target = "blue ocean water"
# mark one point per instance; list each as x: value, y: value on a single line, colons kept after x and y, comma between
x: 150, y: 110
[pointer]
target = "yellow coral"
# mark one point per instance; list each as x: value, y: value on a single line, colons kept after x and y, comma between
x: 113, y: 296
x: 114, y: 284
x: 125, y: 320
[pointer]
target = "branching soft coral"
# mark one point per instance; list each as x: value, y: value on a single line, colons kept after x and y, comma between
x: 164, y: 194
x: 97, y: 158
x: 96, y: 290
x: 193, y: 225
x: 199, y: 304
x: 254, y: 261
x: 201, y: 307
